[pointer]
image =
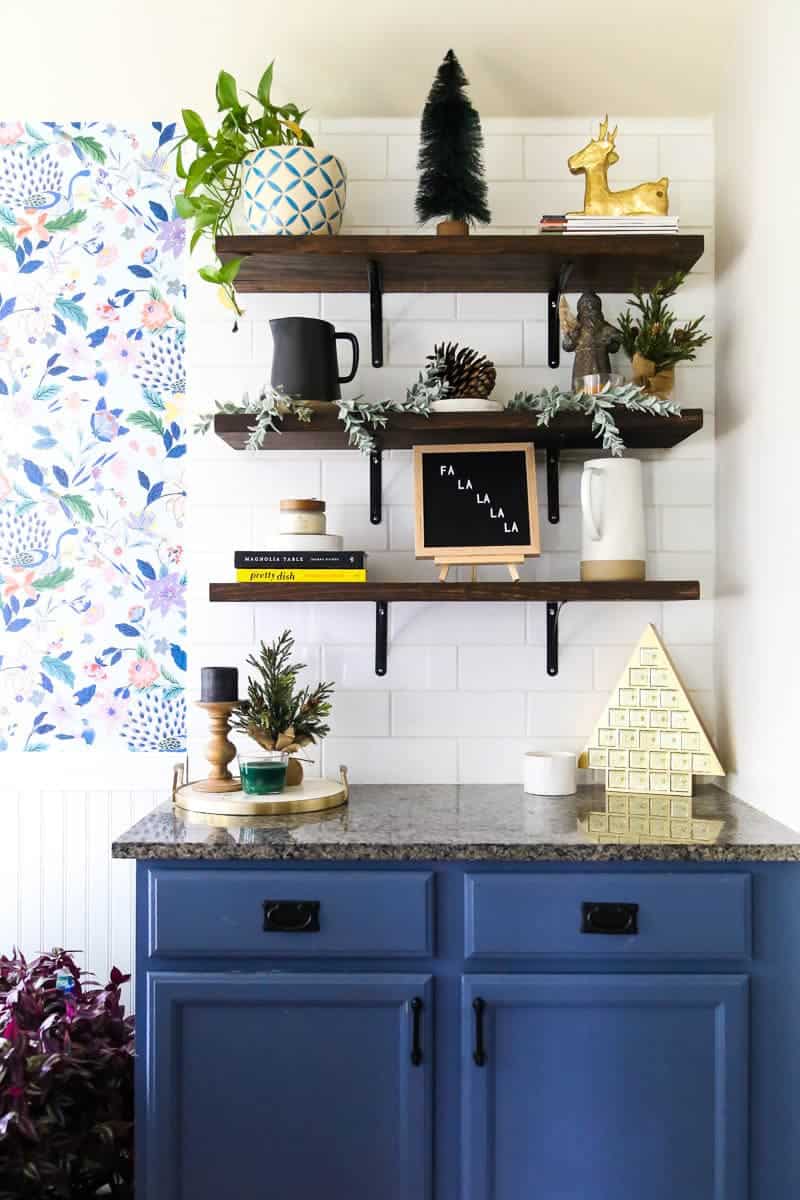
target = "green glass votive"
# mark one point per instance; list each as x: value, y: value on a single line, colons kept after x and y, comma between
x: 263, y: 774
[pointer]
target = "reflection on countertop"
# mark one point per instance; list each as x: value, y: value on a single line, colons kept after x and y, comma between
x: 497, y: 822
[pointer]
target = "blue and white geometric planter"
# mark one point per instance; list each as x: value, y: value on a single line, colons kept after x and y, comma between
x: 294, y: 190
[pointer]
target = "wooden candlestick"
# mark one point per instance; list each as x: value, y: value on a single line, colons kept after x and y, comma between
x: 220, y: 750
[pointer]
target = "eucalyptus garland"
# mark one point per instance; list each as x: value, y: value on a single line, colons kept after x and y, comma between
x: 600, y: 407
x: 359, y: 417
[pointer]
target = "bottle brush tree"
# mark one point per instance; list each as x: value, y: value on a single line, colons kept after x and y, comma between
x: 451, y: 183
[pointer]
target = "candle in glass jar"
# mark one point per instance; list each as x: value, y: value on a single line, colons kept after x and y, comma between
x: 219, y: 684
x: 302, y: 516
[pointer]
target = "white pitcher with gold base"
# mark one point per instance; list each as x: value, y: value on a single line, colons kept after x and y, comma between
x: 612, y: 506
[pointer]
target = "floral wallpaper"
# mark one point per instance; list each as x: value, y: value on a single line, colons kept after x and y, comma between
x: 92, y: 440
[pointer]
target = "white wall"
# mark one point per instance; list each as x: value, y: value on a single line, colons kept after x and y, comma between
x: 758, y: 574
x: 358, y: 57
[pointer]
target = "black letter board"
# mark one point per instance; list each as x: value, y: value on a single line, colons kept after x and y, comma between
x: 475, y: 503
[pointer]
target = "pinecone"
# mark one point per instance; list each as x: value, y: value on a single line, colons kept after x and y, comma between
x: 466, y: 373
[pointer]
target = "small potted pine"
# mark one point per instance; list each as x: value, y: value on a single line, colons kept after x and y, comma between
x: 261, y: 155
x: 278, y: 715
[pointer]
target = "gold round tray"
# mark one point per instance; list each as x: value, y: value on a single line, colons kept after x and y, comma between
x: 312, y: 795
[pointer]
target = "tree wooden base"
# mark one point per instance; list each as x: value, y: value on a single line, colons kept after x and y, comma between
x: 452, y: 229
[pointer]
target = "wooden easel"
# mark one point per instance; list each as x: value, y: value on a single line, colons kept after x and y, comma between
x: 444, y: 565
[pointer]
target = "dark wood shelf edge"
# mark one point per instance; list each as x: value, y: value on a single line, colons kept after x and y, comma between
x: 546, y: 592
x: 569, y: 432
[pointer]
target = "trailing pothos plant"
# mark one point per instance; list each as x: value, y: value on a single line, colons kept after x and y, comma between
x: 360, y: 417
x: 546, y: 405
x: 213, y: 179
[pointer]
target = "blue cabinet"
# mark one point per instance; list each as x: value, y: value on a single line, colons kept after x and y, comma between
x: 293, y: 1086
x: 659, y: 1061
x: 600, y: 1087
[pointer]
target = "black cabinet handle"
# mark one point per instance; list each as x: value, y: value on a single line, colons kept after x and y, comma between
x: 603, y: 917
x: 416, y: 1031
x: 291, y: 916
x: 479, y: 1053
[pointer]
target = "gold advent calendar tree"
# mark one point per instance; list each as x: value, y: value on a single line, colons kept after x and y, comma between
x: 650, y: 739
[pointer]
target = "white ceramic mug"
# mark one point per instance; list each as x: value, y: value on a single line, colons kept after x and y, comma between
x: 612, y: 505
x: 549, y: 774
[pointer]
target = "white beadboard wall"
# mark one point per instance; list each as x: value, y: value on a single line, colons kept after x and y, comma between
x: 466, y: 691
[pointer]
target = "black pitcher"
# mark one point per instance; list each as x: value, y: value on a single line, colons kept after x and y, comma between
x: 304, y: 362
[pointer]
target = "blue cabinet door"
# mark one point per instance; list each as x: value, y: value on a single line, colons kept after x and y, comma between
x: 601, y: 1087
x: 276, y: 1086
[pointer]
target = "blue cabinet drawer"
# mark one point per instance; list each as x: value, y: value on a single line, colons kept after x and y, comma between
x: 295, y: 914
x: 607, y: 915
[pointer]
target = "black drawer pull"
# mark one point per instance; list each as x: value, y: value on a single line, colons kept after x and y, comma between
x: 603, y: 917
x: 479, y: 1053
x: 291, y: 916
x: 416, y: 1031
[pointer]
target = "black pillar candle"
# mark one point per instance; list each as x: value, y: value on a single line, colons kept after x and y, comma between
x: 219, y: 684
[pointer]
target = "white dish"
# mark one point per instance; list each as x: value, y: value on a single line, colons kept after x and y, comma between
x: 464, y: 404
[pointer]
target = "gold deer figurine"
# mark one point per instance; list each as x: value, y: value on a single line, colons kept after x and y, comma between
x: 599, y: 201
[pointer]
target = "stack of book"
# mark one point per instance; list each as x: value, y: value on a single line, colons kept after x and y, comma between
x: 300, y: 566
x: 578, y: 223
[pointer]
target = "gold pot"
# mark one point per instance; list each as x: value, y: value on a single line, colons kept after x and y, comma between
x: 655, y: 383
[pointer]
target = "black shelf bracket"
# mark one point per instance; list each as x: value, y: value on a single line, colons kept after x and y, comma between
x: 553, y: 608
x: 381, y: 635
x: 375, y: 487
x: 553, y: 502
x: 553, y: 323
x: 375, y: 279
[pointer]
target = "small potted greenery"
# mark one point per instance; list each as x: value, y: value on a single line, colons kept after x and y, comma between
x: 278, y: 715
x: 654, y: 341
x: 265, y: 155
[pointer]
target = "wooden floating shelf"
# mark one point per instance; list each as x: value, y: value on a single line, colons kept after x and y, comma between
x: 553, y: 594
x: 477, y: 263
x: 569, y: 431
x: 549, y: 592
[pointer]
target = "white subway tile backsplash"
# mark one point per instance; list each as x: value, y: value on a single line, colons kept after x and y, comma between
x: 465, y: 681
x: 410, y: 342
x: 460, y: 714
x: 363, y: 154
x: 391, y: 759
x: 687, y: 156
x: 409, y: 667
x: 360, y: 714
x: 454, y: 623
x: 498, y: 668
x: 687, y: 529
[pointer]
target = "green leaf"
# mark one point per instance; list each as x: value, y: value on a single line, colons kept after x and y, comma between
x: 265, y: 85
x: 148, y: 421
x: 185, y: 206
x: 8, y: 240
x: 6, y: 215
x: 67, y: 221
x: 71, y: 311
x: 230, y: 270
x: 195, y: 127
x: 79, y: 507
x: 227, y: 95
x: 55, y: 579
x: 210, y: 274
x: 91, y: 147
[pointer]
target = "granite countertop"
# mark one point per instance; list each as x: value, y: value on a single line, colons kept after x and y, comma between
x: 399, y: 823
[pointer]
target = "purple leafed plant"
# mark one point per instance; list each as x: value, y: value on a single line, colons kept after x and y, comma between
x: 66, y: 1081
